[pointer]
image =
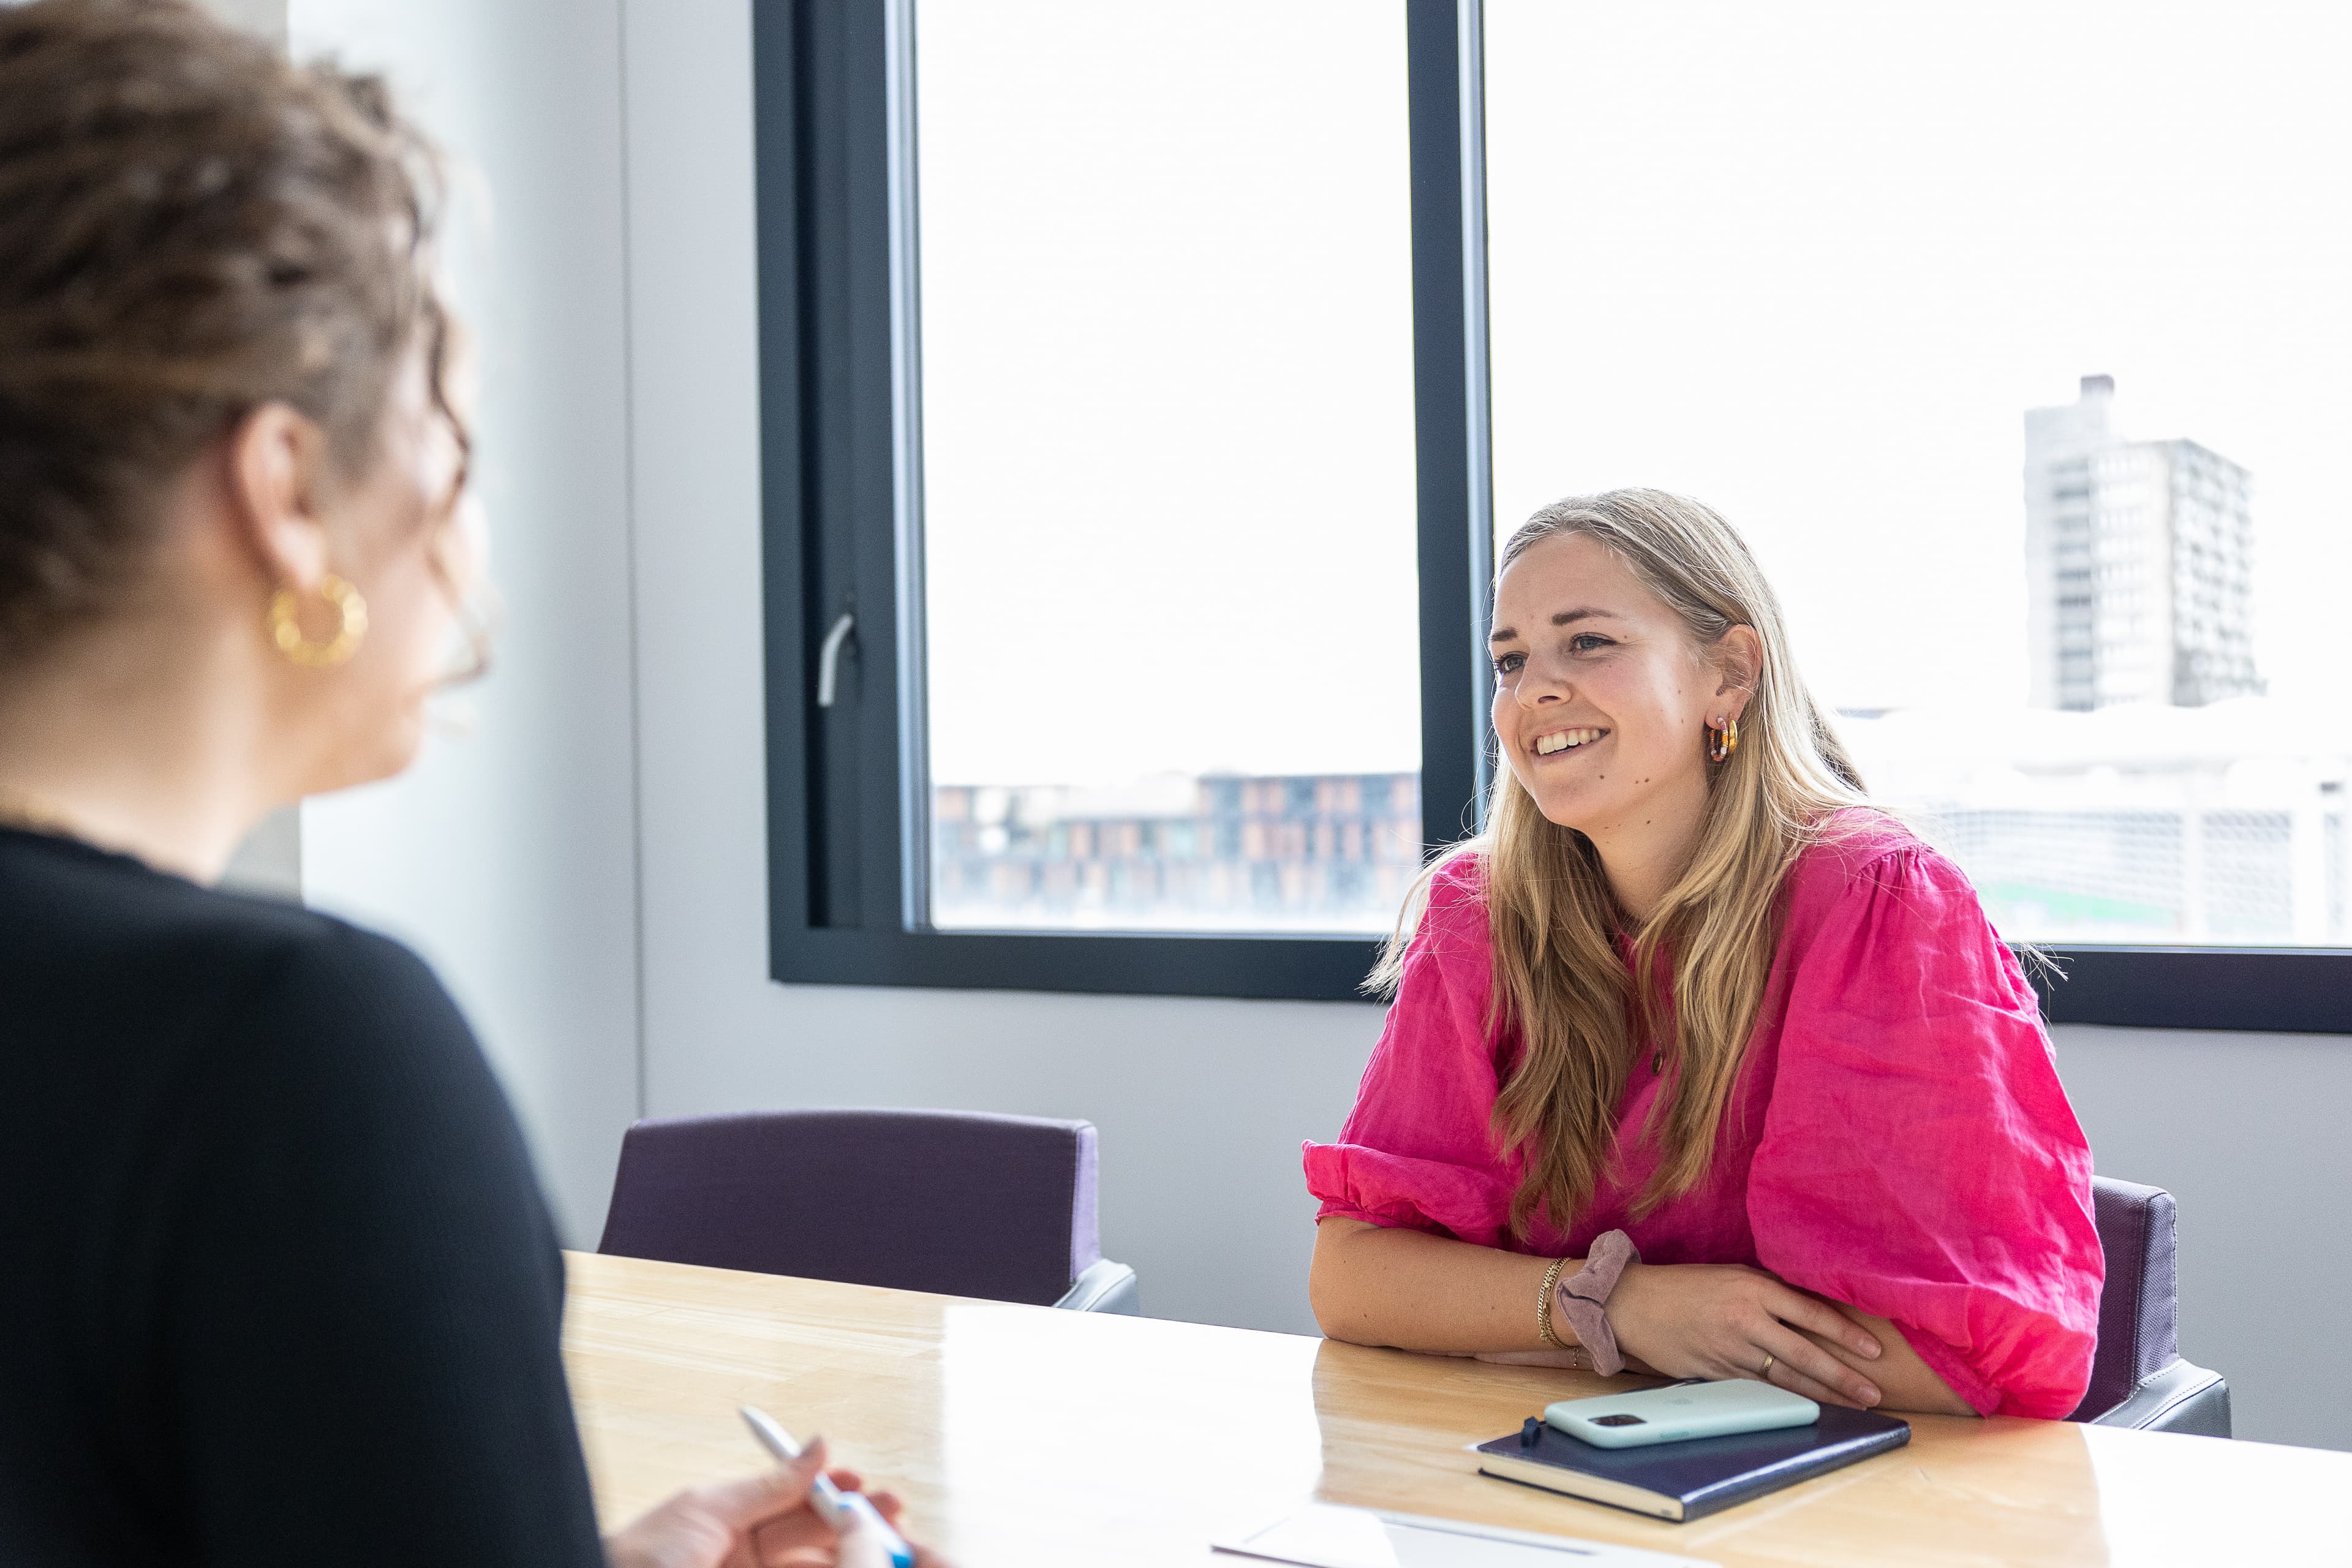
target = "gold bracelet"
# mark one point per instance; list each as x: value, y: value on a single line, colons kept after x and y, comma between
x: 1543, y: 1306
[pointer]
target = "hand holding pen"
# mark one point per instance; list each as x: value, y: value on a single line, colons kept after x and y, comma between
x: 773, y: 1521
x: 867, y: 1526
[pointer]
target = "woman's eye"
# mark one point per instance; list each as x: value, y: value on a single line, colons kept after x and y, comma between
x: 1585, y: 642
x: 1509, y: 664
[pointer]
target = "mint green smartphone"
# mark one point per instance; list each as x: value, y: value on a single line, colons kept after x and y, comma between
x: 1681, y: 1411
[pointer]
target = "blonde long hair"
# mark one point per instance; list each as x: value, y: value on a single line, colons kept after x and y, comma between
x: 1559, y: 977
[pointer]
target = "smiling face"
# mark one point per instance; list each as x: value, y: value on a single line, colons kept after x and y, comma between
x: 1600, y: 698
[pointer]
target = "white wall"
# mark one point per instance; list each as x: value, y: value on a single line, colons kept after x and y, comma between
x: 270, y: 858
x: 509, y: 857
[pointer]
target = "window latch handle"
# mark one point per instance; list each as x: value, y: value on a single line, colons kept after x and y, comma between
x: 828, y: 659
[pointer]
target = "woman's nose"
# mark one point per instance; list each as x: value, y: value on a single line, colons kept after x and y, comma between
x: 1539, y: 688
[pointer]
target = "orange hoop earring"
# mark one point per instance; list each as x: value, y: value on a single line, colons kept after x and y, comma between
x: 1722, y: 740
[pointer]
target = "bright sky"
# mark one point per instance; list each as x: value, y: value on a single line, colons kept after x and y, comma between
x: 1810, y: 263
x: 1168, y: 395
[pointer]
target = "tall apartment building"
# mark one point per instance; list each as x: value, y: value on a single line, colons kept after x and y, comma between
x: 2138, y: 562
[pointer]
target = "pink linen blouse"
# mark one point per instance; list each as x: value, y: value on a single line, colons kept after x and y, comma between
x: 1897, y: 1141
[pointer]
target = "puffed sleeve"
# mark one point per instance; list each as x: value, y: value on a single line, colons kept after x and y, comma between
x: 1919, y: 1159
x: 1417, y: 1151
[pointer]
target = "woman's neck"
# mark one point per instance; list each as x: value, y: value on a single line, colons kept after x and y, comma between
x: 130, y: 753
x: 1644, y: 854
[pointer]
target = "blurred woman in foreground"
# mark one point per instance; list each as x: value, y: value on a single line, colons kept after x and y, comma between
x: 280, y: 1286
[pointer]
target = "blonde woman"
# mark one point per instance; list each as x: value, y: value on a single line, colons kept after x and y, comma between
x: 1696, y: 1061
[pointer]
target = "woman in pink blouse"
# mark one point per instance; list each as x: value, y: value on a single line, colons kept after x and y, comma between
x: 1696, y: 1059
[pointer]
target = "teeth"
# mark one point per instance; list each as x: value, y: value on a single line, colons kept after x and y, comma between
x: 1561, y: 741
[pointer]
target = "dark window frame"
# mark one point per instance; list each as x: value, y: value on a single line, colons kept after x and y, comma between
x: 846, y: 819
x: 841, y: 531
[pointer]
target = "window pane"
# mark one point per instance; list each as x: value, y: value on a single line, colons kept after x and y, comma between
x: 1167, y: 400
x: 2012, y: 337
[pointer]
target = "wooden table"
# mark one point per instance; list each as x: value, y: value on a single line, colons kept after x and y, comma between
x: 1023, y: 1437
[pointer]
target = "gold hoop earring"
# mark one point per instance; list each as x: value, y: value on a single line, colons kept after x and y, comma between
x: 1722, y: 740
x: 351, y: 623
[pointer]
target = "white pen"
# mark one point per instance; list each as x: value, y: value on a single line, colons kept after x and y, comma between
x: 835, y: 1507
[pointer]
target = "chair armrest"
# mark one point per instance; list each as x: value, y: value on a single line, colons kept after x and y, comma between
x: 2179, y: 1398
x: 1104, y: 1286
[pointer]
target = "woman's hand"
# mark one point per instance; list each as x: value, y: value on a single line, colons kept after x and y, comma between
x: 1709, y: 1319
x: 763, y: 1522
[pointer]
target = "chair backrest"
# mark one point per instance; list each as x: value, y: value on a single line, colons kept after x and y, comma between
x: 2138, y: 1306
x: 953, y: 1202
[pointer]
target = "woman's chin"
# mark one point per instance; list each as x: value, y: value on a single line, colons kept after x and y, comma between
x: 1567, y: 808
x: 373, y: 759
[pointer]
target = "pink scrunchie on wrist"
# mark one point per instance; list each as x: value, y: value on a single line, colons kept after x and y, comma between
x: 1584, y: 1297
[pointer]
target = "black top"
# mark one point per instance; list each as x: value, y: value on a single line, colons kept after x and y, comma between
x: 277, y: 1285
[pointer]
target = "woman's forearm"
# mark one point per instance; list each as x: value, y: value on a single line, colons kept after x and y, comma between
x: 1372, y: 1285
x: 1905, y: 1383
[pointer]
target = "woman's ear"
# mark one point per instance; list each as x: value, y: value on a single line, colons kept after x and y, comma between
x: 277, y: 468
x: 1739, y: 665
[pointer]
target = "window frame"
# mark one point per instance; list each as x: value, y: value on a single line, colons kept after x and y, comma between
x: 840, y: 438
x: 840, y: 443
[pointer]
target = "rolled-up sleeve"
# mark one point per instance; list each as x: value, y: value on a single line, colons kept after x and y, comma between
x: 1418, y: 1149
x: 1919, y: 1159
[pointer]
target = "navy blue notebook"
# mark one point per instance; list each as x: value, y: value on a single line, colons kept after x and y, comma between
x: 1682, y: 1481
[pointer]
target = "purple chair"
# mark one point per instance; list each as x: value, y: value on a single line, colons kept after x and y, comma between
x: 2137, y: 1378
x: 951, y: 1202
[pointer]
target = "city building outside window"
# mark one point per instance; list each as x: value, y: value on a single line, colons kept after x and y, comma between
x: 2049, y: 478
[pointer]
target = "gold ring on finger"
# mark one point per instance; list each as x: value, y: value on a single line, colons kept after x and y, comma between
x: 1766, y: 1370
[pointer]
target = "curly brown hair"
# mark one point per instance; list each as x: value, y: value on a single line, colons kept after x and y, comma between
x: 190, y: 228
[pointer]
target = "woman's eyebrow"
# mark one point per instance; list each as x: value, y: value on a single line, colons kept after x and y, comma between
x: 1566, y: 617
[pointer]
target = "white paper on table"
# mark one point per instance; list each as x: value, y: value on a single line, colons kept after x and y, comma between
x: 1322, y: 1535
